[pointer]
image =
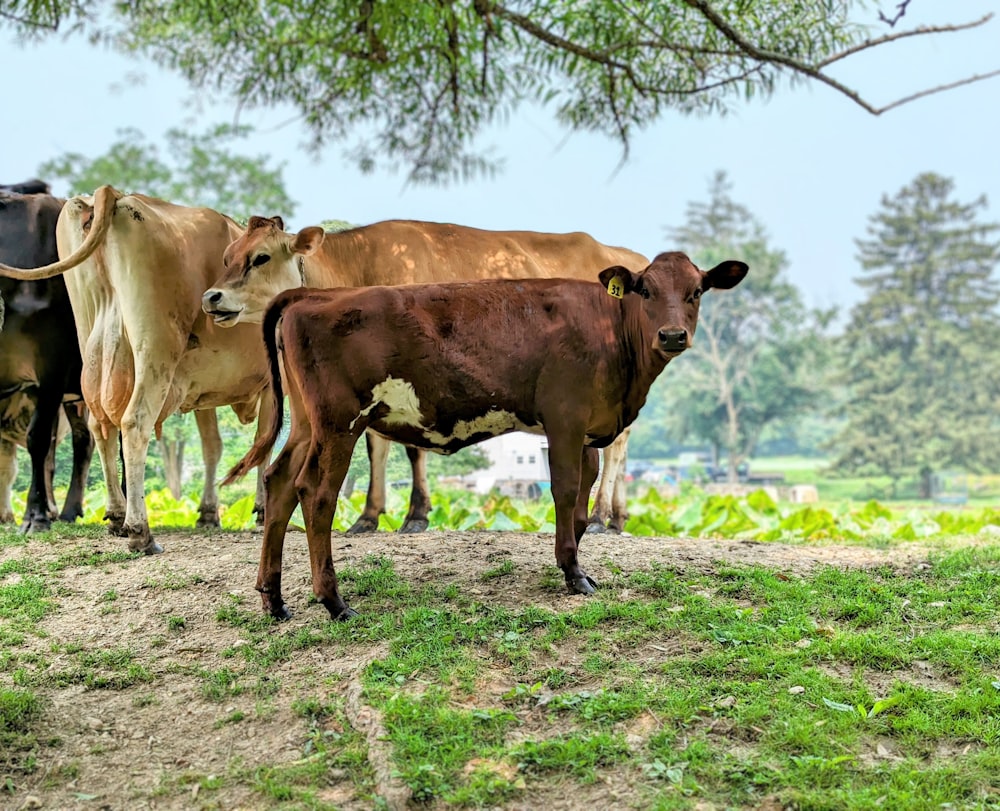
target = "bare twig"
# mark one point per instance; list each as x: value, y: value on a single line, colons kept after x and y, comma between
x: 939, y: 89
x: 916, y: 32
x: 900, y: 11
x: 775, y: 58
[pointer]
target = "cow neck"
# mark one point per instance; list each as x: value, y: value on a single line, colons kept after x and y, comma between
x: 640, y: 365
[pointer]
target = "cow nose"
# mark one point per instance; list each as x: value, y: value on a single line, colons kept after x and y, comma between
x: 212, y: 297
x: 673, y: 340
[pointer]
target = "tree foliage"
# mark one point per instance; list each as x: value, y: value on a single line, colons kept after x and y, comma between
x: 418, y: 80
x: 759, y: 352
x: 919, y: 354
x: 200, y: 170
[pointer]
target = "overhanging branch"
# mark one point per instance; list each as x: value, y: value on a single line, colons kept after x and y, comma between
x: 815, y: 72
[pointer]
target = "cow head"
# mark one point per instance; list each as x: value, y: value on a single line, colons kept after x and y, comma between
x: 258, y: 265
x: 667, y: 296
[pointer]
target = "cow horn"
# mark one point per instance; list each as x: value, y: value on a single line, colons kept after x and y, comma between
x: 104, y: 206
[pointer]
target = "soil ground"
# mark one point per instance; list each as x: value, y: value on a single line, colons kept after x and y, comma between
x: 129, y: 749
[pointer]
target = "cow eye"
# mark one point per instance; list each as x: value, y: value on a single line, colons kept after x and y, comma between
x: 260, y: 259
x: 696, y: 295
x: 644, y: 292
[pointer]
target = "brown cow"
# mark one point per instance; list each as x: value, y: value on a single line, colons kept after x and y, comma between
x: 266, y: 260
x: 442, y: 366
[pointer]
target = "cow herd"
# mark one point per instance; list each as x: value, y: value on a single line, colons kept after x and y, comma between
x: 436, y: 336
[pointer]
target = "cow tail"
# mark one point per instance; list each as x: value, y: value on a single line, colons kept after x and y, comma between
x: 105, y: 199
x: 258, y: 453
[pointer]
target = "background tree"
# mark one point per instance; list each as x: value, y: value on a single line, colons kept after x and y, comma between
x: 197, y: 170
x: 759, y: 352
x: 423, y: 78
x: 920, y: 351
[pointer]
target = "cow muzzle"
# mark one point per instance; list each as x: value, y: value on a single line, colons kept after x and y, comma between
x: 673, y: 341
x: 211, y: 303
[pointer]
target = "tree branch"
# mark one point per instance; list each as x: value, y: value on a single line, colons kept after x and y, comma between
x: 916, y: 32
x: 33, y: 23
x: 775, y: 58
x: 901, y: 10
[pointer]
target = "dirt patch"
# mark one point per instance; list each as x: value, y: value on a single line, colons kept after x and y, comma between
x: 149, y: 746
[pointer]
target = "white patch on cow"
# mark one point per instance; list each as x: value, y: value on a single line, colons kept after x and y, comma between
x: 403, y: 405
x: 492, y: 423
x: 401, y: 400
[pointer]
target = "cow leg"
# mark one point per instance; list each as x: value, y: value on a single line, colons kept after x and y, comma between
x: 566, y: 461
x: 51, y: 508
x: 264, y: 411
x: 590, y: 463
x: 420, y: 497
x: 280, y: 501
x: 40, y: 431
x: 148, y: 396
x: 107, y: 451
x: 319, y: 486
x: 378, y: 455
x: 8, y: 473
x: 211, y: 452
x: 83, y: 452
x: 610, y: 510
x: 619, y: 501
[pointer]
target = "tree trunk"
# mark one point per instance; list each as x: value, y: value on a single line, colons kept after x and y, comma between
x: 172, y: 452
x: 926, y: 483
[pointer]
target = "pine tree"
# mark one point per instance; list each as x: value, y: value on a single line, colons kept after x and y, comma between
x: 920, y: 351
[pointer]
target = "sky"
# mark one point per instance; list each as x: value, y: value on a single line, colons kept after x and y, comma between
x: 810, y: 164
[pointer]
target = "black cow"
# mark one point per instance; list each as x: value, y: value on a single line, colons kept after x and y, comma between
x: 40, y: 363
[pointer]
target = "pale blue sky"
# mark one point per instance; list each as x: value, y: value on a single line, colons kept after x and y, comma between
x: 810, y: 164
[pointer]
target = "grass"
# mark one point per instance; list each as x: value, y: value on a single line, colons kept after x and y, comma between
x: 735, y: 688
x: 789, y: 687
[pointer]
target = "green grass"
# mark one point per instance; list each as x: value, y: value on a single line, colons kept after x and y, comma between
x: 789, y: 687
x: 836, y: 689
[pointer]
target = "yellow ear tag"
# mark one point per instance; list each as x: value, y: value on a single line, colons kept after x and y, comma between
x: 616, y: 288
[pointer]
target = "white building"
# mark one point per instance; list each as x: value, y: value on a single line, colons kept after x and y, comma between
x: 513, y: 457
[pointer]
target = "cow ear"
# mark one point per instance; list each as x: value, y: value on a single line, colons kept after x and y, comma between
x: 618, y: 280
x: 256, y: 222
x: 308, y: 240
x: 278, y: 223
x: 725, y: 275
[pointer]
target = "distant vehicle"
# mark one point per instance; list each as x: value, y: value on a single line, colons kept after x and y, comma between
x: 698, y: 468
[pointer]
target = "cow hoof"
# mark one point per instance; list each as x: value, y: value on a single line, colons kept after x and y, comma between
x: 150, y: 548
x: 344, y: 615
x: 595, y: 528
x: 363, y: 525
x: 70, y: 516
x: 281, y: 613
x: 413, y: 525
x: 581, y: 585
x: 37, y: 523
x: 208, y: 518
x: 141, y: 541
x: 116, y: 524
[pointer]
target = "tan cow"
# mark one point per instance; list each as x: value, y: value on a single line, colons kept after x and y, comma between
x: 135, y: 268
x: 266, y: 260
